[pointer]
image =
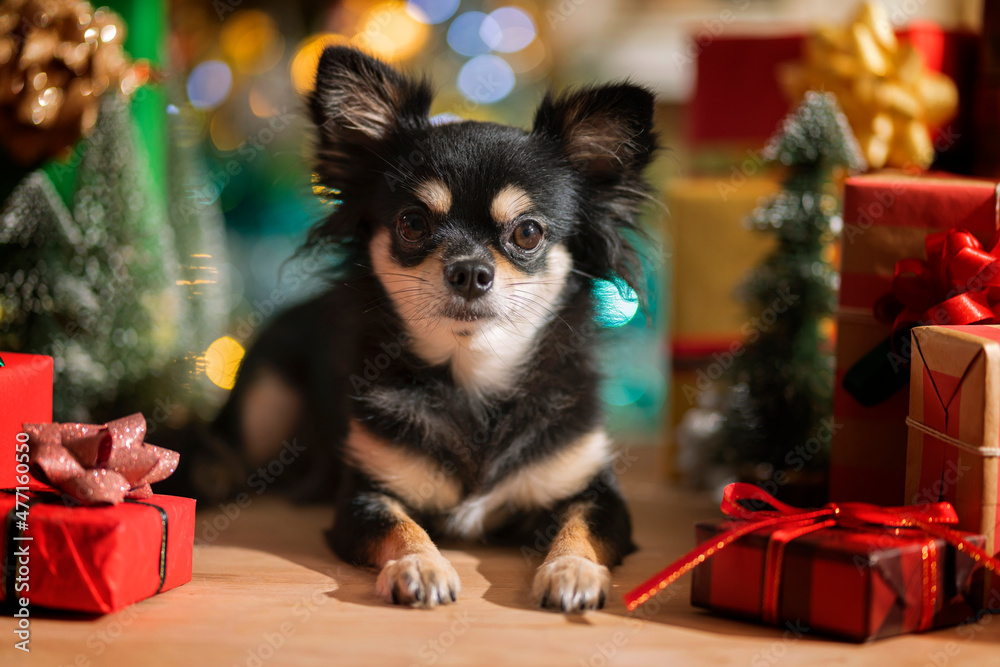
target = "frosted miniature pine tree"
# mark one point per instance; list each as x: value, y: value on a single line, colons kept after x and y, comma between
x: 781, y: 384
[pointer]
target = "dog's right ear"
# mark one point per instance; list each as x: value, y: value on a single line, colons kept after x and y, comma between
x: 359, y: 104
x: 358, y: 99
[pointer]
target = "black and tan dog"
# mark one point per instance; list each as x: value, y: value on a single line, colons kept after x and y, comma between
x: 446, y: 371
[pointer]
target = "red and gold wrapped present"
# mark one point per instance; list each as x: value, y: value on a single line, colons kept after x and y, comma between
x: 851, y: 570
x: 713, y: 249
x: 881, y: 70
x: 97, y: 539
x: 954, y: 429
x: 25, y: 396
x: 887, y: 220
x: 747, y: 62
x: 712, y: 252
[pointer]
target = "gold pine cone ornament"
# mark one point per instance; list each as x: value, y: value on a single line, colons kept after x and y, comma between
x: 57, y: 58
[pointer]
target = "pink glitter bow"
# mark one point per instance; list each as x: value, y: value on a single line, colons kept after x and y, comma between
x: 99, y: 464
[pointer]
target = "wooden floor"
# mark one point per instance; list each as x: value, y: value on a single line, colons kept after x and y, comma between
x: 266, y: 591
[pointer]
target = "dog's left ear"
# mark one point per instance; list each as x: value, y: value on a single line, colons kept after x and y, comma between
x: 606, y: 135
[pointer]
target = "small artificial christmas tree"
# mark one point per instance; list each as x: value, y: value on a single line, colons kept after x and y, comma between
x: 124, y: 291
x: 781, y: 382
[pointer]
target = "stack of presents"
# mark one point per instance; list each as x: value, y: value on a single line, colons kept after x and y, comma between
x: 909, y: 539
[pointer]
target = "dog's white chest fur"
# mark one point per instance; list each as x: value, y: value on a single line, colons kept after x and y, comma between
x: 484, y: 359
x: 425, y: 485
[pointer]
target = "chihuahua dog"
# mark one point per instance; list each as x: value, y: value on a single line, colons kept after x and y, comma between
x: 445, y: 374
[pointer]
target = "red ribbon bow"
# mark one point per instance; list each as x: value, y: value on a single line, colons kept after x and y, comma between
x: 99, y: 463
x: 794, y: 522
x: 958, y: 284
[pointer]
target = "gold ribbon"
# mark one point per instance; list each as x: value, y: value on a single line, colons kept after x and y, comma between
x: 890, y: 97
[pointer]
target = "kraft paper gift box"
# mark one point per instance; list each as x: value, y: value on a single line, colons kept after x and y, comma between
x: 954, y: 430
x: 887, y: 217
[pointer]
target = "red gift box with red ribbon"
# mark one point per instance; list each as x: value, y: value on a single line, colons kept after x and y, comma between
x: 888, y: 283
x: 91, y: 536
x: 850, y: 570
x: 953, y: 450
x: 92, y: 559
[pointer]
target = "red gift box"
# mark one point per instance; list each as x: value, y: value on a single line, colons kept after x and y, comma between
x: 853, y: 570
x: 953, y: 453
x: 25, y: 397
x: 858, y: 585
x: 93, y: 559
x: 744, y: 67
x: 887, y: 218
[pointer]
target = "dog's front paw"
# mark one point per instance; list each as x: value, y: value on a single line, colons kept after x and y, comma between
x: 571, y: 583
x: 419, y: 580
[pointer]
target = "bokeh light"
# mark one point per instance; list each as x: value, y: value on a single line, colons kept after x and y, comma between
x: 251, y: 41
x: 507, y: 30
x: 486, y: 79
x: 629, y: 384
x: 222, y: 361
x: 431, y: 11
x: 617, y: 303
x: 224, y: 133
x: 303, y: 67
x: 529, y: 59
x: 209, y: 84
x: 260, y: 105
x: 390, y: 32
x: 465, y: 34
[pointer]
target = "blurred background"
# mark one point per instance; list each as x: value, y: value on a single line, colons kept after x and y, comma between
x: 207, y: 155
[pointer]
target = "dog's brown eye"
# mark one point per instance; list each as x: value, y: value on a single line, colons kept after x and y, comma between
x: 413, y: 226
x: 528, y: 235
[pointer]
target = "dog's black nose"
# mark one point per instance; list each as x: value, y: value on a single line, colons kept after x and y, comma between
x: 471, y: 278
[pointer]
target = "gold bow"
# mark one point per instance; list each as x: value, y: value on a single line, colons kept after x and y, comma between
x: 890, y: 98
